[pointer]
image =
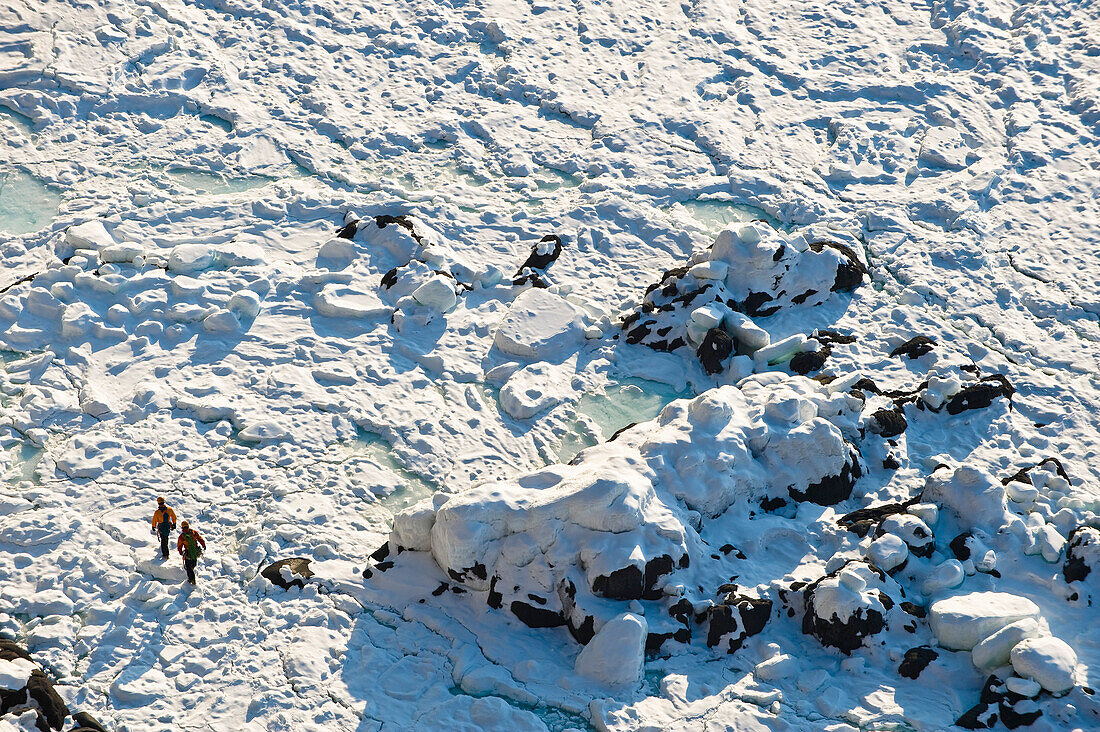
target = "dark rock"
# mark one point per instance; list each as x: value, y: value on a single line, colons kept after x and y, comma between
x: 381, y: 552
x: 87, y: 722
x: 716, y: 347
x: 619, y: 431
x: 914, y: 347
x: 536, y: 617
x: 10, y: 650
x: 631, y: 583
x: 888, y: 423
x: 851, y: 271
x: 347, y: 231
x: 772, y: 504
x: 495, y: 599
x: 806, y: 362
x: 297, y: 566
x: 389, y: 279
x: 832, y: 489
x: 49, y: 702
x: 861, y: 520
x: 959, y: 547
x: 981, y: 395
x: 736, y: 618
x: 443, y: 587
x: 405, y: 222
x: 727, y: 548
x: 890, y: 462
x: 542, y: 255
x: 753, y: 305
x: 916, y: 660
x: 1082, y: 552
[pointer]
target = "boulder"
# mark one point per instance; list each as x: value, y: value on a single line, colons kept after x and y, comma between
x: 961, y: 622
x: 287, y: 573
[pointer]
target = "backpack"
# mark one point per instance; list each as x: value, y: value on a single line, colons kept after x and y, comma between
x: 192, y: 550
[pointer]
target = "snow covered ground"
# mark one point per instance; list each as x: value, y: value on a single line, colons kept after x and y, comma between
x: 178, y: 318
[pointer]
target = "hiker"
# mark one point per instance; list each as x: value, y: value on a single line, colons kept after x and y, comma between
x: 190, y: 546
x: 164, y: 523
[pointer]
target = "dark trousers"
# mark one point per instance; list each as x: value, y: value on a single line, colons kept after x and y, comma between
x: 164, y: 534
x: 189, y: 565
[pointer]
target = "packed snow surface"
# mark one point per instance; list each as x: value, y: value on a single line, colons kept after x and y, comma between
x: 594, y: 365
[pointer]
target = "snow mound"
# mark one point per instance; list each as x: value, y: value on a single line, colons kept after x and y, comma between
x: 555, y: 545
x: 540, y: 325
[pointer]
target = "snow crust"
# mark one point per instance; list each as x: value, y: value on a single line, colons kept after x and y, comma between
x: 272, y: 257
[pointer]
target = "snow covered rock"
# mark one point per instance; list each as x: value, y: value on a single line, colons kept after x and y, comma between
x: 1049, y: 661
x: 615, y: 655
x: 540, y: 325
x: 961, y: 622
x: 888, y: 552
x: 287, y: 573
x: 910, y: 529
x: 619, y: 522
x: 849, y: 605
x: 246, y: 304
x: 438, y: 293
x: 973, y: 495
x: 221, y: 321
x: 1082, y: 554
x: 533, y: 270
x: 765, y: 271
x: 22, y: 688
x: 735, y: 618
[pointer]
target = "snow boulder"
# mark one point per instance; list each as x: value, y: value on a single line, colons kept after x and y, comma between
x: 345, y: 301
x: 993, y: 652
x: 287, y: 573
x: 438, y: 293
x: 615, y: 655
x: 540, y: 325
x: 850, y: 604
x: 188, y: 258
x: 1049, y: 660
x: 89, y: 235
x: 961, y: 622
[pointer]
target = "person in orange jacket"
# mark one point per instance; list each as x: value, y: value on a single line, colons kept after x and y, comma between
x: 164, y: 523
x: 190, y: 546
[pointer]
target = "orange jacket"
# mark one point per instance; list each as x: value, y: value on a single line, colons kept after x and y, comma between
x: 181, y: 543
x: 164, y: 514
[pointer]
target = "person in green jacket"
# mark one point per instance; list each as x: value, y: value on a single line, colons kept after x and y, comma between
x: 190, y: 545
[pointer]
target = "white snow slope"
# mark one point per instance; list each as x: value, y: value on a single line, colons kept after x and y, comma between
x: 176, y: 320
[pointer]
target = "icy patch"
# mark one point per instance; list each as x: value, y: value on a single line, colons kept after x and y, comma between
x: 26, y: 204
x: 716, y: 215
x: 620, y: 405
